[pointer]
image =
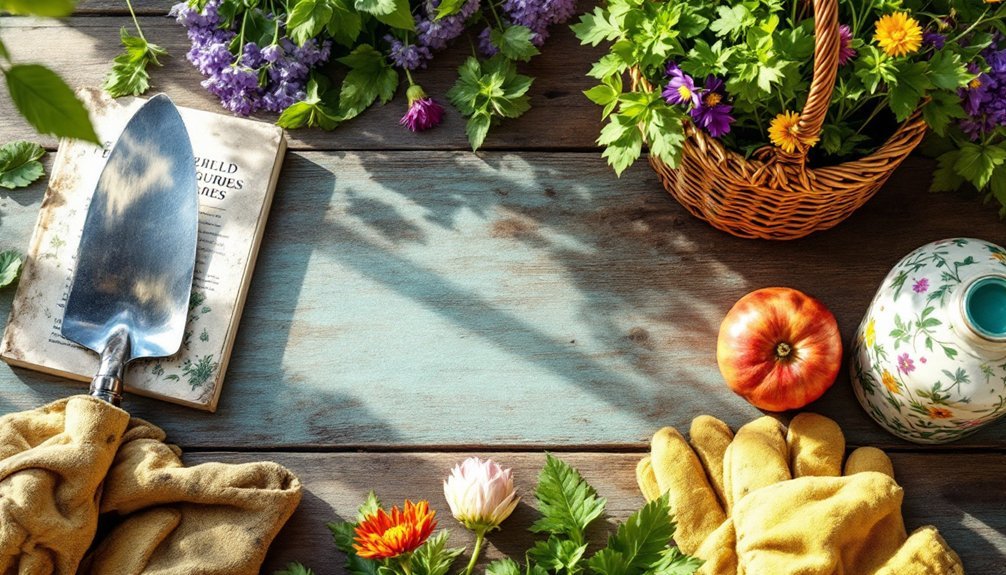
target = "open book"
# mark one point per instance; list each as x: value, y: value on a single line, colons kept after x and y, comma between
x: 237, y: 164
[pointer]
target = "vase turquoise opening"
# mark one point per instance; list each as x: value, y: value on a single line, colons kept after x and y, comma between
x: 985, y: 306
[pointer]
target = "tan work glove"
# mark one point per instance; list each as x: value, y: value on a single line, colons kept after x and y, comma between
x: 210, y: 519
x: 771, y: 502
x: 52, y: 462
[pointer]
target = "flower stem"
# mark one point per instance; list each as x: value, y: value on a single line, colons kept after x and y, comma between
x: 492, y: 8
x: 480, y: 537
x: 136, y: 22
x: 408, y: 76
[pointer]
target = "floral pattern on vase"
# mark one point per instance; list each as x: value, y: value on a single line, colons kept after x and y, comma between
x: 918, y: 366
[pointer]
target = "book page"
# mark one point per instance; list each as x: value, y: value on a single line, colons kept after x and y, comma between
x: 235, y: 161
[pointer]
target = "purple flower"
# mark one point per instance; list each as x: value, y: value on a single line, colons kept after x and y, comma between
x: 486, y: 46
x: 680, y: 88
x: 538, y: 15
x: 711, y: 113
x: 921, y: 286
x: 845, y: 49
x: 933, y: 39
x: 905, y: 364
x: 424, y: 112
x: 407, y: 56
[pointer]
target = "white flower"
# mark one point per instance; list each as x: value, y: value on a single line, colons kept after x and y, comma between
x: 480, y: 494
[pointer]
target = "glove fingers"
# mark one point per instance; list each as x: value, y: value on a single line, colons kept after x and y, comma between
x: 646, y: 479
x: 757, y: 457
x: 128, y: 548
x: 710, y: 438
x: 923, y: 553
x: 816, y: 446
x: 869, y: 459
x: 719, y: 551
x: 680, y: 474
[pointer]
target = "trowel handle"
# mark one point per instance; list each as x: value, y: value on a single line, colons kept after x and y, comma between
x: 107, y: 384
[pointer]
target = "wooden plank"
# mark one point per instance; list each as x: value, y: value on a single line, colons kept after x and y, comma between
x: 967, y: 508
x: 118, y: 7
x: 509, y: 299
x: 82, y: 49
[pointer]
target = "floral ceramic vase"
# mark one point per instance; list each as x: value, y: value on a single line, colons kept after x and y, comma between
x: 929, y: 359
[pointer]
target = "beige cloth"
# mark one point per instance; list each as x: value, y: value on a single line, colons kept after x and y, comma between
x: 772, y: 501
x: 63, y: 463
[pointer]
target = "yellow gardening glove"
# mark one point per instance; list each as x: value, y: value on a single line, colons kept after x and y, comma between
x: 52, y: 462
x: 210, y: 519
x: 769, y: 502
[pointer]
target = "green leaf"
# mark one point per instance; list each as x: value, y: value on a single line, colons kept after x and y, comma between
x: 477, y: 129
x: 434, y: 557
x: 49, y: 8
x: 514, y: 42
x: 346, y: 23
x: 941, y: 109
x: 732, y: 21
x: 608, y: 65
x: 394, y: 13
x: 370, y: 77
x: 606, y: 94
x: 10, y: 267
x: 997, y: 187
x: 595, y: 27
x: 19, y: 165
x: 343, y: 532
x: 567, y: 503
x: 294, y: 569
x: 48, y: 104
x: 665, y: 134
x: 3, y: 52
x: 947, y: 72
x: 704, y: 60
x: 307, y: 19
x: 674, y: 562
x: 505, y: 566
x: 638, y: 543
x: 907, y: 91
x: 449, y: 8
x: 555, y: 554
x: 976, y: 162
x: 874, y: 67
x: 369, y: 507
x: 129, y: 76
x: 486, y: 91
x: 313, y: 111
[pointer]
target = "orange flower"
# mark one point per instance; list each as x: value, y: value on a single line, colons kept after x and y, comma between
x: 783, y: 132
x: 383, y: 535
x: 890, y: 383
x: 940, y: 412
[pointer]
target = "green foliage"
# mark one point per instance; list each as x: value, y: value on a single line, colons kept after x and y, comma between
x: 434, y: 557
x: 129, y: 76
x: 514, y: 42
x: 10, y: 267
x: 394, y: 13
x: 19, y: 165
x: 294, y: 569
x: 638, y: 543
x: 50, y: 8
x: 487, y: 91
x: 567, y: 503
x: 370, y: 77
x: 312, y: 111
x: 48, y: 104
x: 308, y: 18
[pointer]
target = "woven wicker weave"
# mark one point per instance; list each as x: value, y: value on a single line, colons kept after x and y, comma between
x: 776, y: 195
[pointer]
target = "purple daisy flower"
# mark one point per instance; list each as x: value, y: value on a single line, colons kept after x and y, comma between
x: 424, y: 112
x: 680, y: 88
x: 712, y: 114
x: 845, y: 49
x: 933, y: 39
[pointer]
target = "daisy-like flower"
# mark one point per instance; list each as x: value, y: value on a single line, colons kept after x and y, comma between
x: 712, y: 114
x: 905, y: 364
x: 680, y: 87
x: 481, y: 495
x: 845, y: 50
x: 870, y: 334
x: 936, y: 412
x: 890, y: 383
x: 898, y: 34
x: 784, y: 134
x: 384, y: 535
x: 424, y: 112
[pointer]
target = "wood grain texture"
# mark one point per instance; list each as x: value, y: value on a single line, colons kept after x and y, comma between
x: 81, y: 50
x: 959, y: 494
x: 510, y: 299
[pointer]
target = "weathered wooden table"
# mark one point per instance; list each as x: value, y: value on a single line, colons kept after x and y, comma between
x: 415, y: 302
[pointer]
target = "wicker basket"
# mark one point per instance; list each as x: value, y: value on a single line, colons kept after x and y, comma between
x: 776, y: 195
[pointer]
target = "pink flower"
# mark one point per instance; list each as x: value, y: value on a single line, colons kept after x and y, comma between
x: 424, y: 112
x: 845, y: 49
x: 921, y: 286
x: 905, y: 364
x: 481, y: 494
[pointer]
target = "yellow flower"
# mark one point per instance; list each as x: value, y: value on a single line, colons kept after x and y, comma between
x: 898, y: 34
x: 890, y: 383
x: 940, y: 412
x: 870, y: 334
x: 783, y: 132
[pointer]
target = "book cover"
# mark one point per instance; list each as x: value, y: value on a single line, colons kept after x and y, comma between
x: 237, y: 165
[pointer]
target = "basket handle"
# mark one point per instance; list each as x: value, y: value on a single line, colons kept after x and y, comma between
x: 826, y: 44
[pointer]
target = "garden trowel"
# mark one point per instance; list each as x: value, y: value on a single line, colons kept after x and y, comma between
x: 130, y: 291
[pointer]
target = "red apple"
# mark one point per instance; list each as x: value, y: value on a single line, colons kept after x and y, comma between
x: 779, y: 348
